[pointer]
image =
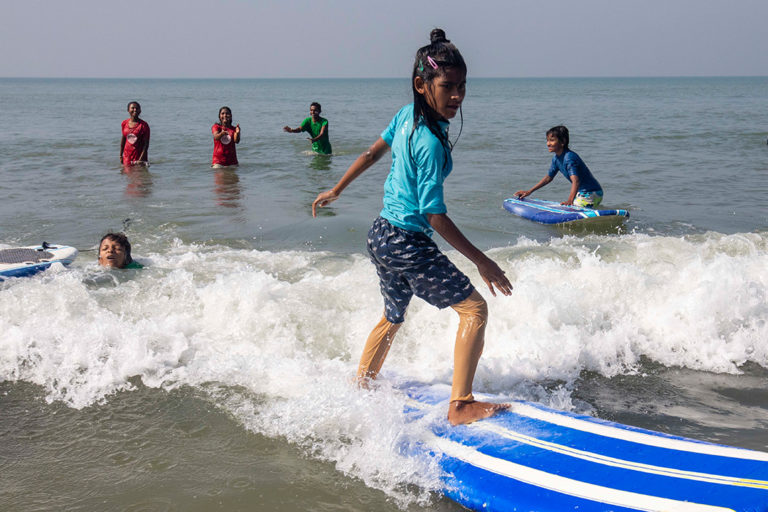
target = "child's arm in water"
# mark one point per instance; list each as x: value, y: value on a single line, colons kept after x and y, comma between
x: 357, y: 168
x: 488, y: 269
x: 544, y: 181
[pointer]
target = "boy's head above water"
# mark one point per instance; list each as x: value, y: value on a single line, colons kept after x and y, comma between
x: 558, y: 139
x: 114, y: 250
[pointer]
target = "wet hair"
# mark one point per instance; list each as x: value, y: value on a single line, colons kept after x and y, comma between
x: 121, y: 239
x: 218, y: 121
x: 133, y: 103
x: 316, y: 104
x: 560, y: 132
x: 430, y: 63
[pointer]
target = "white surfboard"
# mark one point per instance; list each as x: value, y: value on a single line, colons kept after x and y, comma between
x: 26, y: 261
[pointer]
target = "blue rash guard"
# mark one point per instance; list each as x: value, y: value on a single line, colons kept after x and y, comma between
x: 414, y: 186
x: 570, y: 164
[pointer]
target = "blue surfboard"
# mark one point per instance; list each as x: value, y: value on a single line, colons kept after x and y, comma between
x: 550, y: 212
x: 27, y: 261
x: 533, y: 458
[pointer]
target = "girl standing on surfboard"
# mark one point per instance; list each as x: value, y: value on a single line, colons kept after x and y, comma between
x: 224, y: 139
x: 134, y: 145
x: 407, y: 260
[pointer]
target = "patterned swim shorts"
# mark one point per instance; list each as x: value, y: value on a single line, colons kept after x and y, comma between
x: 588, y: 199
x: 409, y: 263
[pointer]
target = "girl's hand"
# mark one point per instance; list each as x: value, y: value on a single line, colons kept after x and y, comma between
x: 493, y: 275
x: 323, y: 199
x: 522, y: 193
x: 567, y: 202
x: 237, y: 128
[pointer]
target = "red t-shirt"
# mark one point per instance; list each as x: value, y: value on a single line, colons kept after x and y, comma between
x: 136, y: 139
x: 224, y: 152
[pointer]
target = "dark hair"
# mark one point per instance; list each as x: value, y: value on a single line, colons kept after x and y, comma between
x: 560, y: 132
x: 132, y: 103
x: 121, y: 239
x: 316, y: 104
x: 218, y: 121
x: 430, y: 63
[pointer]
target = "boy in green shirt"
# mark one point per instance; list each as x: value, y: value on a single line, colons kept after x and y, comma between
x: 115, y: 252
x: 317, y: 127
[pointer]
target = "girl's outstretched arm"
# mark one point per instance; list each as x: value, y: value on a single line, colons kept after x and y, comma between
x: 362, y: 163
x: 488, y: 269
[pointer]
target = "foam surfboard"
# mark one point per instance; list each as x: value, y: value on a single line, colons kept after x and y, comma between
x: 536, y: 458
x: 26, y: 261
x: 550, y: 212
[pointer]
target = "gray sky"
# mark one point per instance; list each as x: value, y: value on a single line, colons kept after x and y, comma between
x: 359, y: 38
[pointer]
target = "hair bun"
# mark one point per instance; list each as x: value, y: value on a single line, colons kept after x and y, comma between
x: 437, y: 36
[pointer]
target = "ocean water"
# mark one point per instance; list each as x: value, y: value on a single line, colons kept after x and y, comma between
x: 218, y: 377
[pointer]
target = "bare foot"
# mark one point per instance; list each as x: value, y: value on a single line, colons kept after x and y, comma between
x: 460, y: 412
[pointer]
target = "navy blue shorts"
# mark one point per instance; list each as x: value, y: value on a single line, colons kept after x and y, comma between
x: 409, y: 263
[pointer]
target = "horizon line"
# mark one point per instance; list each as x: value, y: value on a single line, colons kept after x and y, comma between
x: 366, y: 78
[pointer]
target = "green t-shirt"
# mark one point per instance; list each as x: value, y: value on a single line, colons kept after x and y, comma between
x: 323, y: 144
x: 134, y: 264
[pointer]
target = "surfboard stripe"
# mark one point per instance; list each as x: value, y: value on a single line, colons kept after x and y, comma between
x: 571, y: 487
x: 620, y: 463
x: 635, y: 436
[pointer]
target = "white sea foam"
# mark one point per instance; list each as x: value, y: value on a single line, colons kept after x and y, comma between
x: 275, y: 337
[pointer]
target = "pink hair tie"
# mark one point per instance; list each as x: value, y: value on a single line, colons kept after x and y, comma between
x: 431, y: 62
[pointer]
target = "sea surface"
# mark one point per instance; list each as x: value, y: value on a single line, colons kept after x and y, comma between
x: 219, y: 376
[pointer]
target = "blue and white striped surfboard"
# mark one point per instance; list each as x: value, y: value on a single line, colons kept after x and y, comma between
x: 549, y: 212
x: 533, y: 458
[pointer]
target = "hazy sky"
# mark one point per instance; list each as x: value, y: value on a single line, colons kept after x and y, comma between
x: 359, y: 38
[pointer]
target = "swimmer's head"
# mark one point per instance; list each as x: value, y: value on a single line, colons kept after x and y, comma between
x: 114, y: 250
x: 315, y: 109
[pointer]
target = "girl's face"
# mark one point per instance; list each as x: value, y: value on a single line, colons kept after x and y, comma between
x: 554, y: 145
x: 225, y: 117
x: 134, y: 110
x: 444, y: 93
x: 314, y: 112
x: 112, y: 254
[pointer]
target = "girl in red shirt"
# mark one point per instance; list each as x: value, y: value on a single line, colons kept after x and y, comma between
x: 224, y: 139
x: 134, y: 145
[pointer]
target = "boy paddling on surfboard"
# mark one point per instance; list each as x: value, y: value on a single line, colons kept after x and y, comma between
x: 585, y: 190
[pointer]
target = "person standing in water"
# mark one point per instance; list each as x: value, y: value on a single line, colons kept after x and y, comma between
x: 407, y: 260
x: 317, y: 127
x: 225, y: 137
x: 134, y: 144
